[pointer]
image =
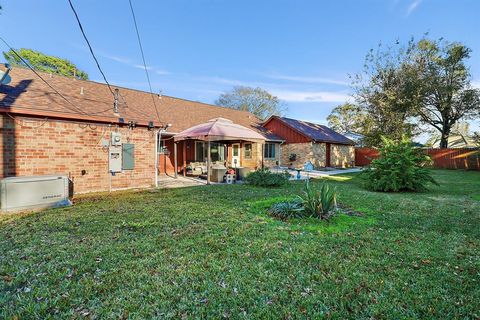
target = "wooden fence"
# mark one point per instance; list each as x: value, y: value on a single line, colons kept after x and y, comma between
x: 462, y: 158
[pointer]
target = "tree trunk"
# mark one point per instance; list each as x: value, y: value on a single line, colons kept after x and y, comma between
x: 444, y: 140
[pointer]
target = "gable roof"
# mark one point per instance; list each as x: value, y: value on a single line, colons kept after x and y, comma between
x: 314, y: 131
x: 457, y: 140
x: 28, y: 94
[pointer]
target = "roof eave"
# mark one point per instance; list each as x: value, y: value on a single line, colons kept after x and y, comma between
x: 74, y: 117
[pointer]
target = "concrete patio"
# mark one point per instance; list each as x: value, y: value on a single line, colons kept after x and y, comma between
x: 167, y: 182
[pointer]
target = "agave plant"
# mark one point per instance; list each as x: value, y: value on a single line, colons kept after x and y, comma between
x: 286, y: 209
x: 320, y: 203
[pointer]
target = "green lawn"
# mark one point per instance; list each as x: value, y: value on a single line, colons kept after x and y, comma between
x: 213, y: 252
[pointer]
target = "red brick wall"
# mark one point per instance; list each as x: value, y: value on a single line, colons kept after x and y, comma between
x: 34, y: 147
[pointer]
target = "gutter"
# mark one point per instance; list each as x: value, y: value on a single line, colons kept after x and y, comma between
x: 74, y: 116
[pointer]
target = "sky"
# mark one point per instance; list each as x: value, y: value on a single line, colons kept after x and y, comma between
x: 301, y: 51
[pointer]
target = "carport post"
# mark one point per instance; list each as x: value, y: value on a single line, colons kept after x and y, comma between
x: 208, y: 162
x: 184, y: 157
x: 175, y: 158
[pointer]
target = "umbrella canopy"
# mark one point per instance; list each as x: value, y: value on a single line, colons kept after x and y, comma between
x: 219, y: 129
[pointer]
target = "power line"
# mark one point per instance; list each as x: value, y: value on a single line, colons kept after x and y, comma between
x: 143, y: 58
x: 90, y: 47
x: 38, y: 75
x: 76, y: 108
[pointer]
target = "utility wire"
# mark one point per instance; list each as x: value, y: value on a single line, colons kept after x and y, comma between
x: 76, y: 109
x: 90, y: 47
x: 38, y: 75
x: 143, y: 58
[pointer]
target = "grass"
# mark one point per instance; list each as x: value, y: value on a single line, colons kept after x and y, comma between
x: 213, y: 252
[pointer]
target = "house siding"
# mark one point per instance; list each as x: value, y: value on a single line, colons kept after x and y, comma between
x: 342, y: 155
x: 304, y: 152
x: 256, y: 159
x: 289, y: 135
x: 31, y: 146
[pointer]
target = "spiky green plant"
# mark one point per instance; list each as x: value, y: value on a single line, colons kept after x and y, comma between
x: 320, y: 203
x: 286, y: 209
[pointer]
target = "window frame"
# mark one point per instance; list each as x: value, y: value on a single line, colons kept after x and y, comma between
x: 202, y: 143
x: 250, y: 156
x: 269, y: 151
x: 220, y: 150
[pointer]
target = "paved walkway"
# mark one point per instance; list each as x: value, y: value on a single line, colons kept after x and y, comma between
x: 167, y: 182
x: 320, y: 173
x: 334, y: 172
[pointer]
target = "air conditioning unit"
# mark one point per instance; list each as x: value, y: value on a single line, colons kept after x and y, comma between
x: 27, y: 193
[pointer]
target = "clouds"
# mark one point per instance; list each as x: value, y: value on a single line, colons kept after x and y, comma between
x: 131, y: 63
x: 307, y: 79
x: 413, y: 6
x: 311, y: 96
x: 289, y: 88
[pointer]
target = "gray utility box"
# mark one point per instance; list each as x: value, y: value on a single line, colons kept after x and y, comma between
x: 26, y: 193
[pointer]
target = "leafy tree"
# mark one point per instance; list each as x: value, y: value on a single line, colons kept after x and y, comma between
x: 443, y: 83
x: 400, y: 167
x: 349, y: 117
x: 385, y: 92
x: 42, y: 62
x: 255, y: 100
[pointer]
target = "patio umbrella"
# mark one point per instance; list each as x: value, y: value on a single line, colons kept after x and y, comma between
x: 218, y: 129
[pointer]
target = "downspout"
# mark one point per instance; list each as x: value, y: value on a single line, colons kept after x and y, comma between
x: 157, y: 133
x: 263, y: 154
x: 280, y: 153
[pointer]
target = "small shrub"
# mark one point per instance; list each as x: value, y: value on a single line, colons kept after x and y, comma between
x: 286, y: 209
x: 266, y: 178
x: 319, y: 203
x: 400, y: 167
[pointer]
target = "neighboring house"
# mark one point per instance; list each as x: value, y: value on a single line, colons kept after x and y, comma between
x: 41, y: 133
x: 306, y: 141
x: 357, y: 138
x: 456, y: 140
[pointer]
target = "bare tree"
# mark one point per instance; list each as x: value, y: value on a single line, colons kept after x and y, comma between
x: 255, y: 100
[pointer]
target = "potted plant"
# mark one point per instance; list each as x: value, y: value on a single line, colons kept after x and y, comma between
x: 292, y: 158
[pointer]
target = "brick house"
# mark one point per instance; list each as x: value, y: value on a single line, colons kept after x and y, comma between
x: 305, y: 141
x: 42, y: 132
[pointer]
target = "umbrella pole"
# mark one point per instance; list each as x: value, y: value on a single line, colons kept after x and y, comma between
x: 208, y: 163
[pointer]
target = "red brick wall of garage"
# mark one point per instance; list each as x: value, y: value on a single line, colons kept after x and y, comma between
x: 32, y: 146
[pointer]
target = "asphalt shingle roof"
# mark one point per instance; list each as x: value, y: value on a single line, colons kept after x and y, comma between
x: 316, y: 131
x: 27, y: 93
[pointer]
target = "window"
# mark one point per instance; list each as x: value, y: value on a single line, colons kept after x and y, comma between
x: 269, y: 151
x: 217, y: 151
x: 235, y: 150
x: 200, y: 152
x: 247, y: 153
